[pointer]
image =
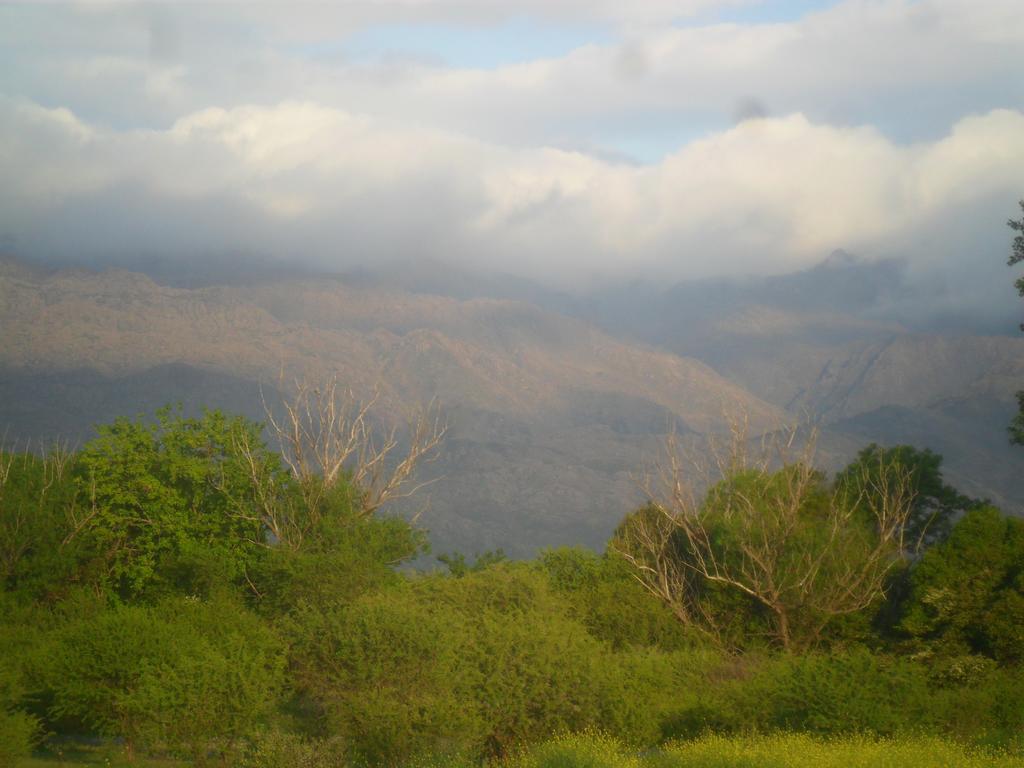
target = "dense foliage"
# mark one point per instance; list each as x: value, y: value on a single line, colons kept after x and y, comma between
x: 147, y: 602
x: 1016, y: 427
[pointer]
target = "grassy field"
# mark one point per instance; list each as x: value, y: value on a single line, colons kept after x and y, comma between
x: 596, y: 751
x: 782, y: 751
x: 79, y: 754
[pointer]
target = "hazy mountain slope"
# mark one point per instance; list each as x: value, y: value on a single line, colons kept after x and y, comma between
x: 970, y: 433
x: 549, y: 415
x: 68, y: 404
x: 906, y: 370
x: 847, y: 345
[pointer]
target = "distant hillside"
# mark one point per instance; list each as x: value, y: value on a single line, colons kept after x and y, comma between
x: 549, y: 415
x: 852, y: 345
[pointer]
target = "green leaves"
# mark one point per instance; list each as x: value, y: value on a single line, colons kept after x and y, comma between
x: 185, y: 673
x: 935, y: 505
x: 1016, y: 427
x: 967, y: 594
x: 1017, y: 249
x: 165, y: 497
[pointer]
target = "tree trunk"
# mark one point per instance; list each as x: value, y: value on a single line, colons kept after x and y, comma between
x: 782, y: 624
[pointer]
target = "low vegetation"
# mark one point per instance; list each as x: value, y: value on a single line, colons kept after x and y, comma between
x: 177, y: 591
x: 773, y: 751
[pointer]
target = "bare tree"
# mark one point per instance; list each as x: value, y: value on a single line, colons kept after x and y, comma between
x: 325, y: 435
x: 769, y: 528
x: 21, y: 516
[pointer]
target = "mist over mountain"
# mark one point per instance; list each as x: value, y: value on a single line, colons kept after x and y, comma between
x: 549, y: 416
x: 555, y: 402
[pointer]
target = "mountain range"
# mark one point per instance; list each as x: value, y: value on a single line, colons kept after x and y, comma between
x: 554, y: 402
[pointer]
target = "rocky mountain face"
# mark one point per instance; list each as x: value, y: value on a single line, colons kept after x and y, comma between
x: 550, y: 418
x: 847, y: 346
x: 552, y: 410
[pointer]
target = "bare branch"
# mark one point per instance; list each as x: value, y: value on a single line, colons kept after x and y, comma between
x: 325, y: 434
x: 770, y: 529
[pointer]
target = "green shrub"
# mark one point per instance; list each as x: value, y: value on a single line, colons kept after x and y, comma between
x: 476, y: 665
x: 987, y: 708
x: 841, y: 692
x: 803, y: 751
x: 279, y: 749
x: 19, y: 733
x: 19, y: 730
x: 534, y: 670
x: 187, y: 674
x: 386, y: 676
x: 853, y: 691
x: 611, y: 603
x: 587, y: 750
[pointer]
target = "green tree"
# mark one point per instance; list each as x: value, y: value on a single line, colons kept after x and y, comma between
x: 348, y: 556
x: 935, y: 504
x: 1016, y: 256
x: 172, y: 504
x: 37, y: 505
x: 458, y: 566
x: 796, y: 550
x: 967, y: 593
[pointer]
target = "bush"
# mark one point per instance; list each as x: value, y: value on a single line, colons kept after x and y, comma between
x: 610, y: 602
x: 476, y: 665
x: 587, y: 750
x: 533, y: 670
x: 852, y: 691
x: 189, y: 675
x: 803, y: 751
x: 385, y: 674
x: 19, y: 733
x: 279, y: 749
x: 842, y: 692
x: 986, y: 708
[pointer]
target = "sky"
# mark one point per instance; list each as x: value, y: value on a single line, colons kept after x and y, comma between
x: 575, y: 142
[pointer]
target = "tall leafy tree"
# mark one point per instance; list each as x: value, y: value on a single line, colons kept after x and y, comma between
x: 935, y: 504
x: 1017, y: 256
x: 36, y: 506
x: 801, y: 551
x: 967, y: 594
x: 170, y: 503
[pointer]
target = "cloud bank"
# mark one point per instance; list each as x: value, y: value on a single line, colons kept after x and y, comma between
x: 673, y: 144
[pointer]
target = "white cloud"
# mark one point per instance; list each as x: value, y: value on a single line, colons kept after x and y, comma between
x: 910, y: 68
x: 139, y: 127
x: 324, y: 185
x: 308, y: 18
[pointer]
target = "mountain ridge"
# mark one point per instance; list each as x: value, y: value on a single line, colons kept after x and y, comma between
x: 548, y: 413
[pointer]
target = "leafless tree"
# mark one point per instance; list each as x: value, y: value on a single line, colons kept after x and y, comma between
x: 770, y: 528
x: 325, y: 434
x: 20, y: 518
